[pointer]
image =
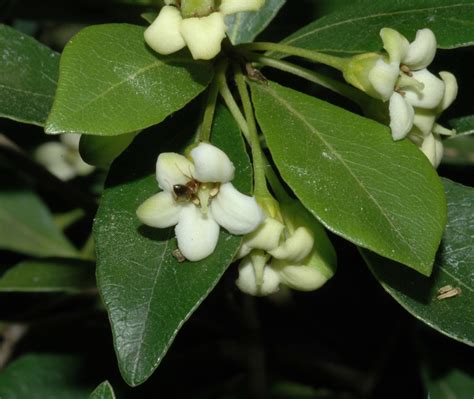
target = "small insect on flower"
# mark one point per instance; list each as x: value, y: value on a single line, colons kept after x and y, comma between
x: 186, y: 192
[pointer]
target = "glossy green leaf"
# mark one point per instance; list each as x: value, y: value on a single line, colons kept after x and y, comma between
x: 463, y: 125
x: 452, y: 316
x: 244, y: 27
x: 454, y: 384
x: 41, y: 376
x: 103, y: 391
x: 102, y: 150
x: 111, y: 83
x: 28, y: 76
x: 27, y: 226
x: 356, y: 29
x: 347, y: 171
x: 148, y: 294
x: 459, y: 150
x: 49, y: 275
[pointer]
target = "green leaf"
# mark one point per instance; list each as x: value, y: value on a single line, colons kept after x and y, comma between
x: 455, y: 384
x: 463, y: 125
x: 459, y: 150
x: 148, y: 294
x: 149, y: 16
x: 102, y: 150
x: 356, y: 29
x: 348, y: 172
x: 451, y: 316
x: 111, y: 83
x: 49, y: 275
x: 41, y: 376
x: 27, y: 226
x: 28, y: 76
x: 103, y: 391
x: 244, y: 27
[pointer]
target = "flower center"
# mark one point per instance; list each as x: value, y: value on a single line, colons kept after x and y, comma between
x: 200, y: 194
x: 196, y: 8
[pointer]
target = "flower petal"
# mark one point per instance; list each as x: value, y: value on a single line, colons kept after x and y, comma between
x: 212, y: 164
x: 299, y: 277
x: 204, y: 35
x: 54, y: 157
x: 430, y: 96
x: 233, y: 6
x: 267, y: 236
x: 82, y: 168
x: 197, y: 234
x: 247, y: 281
x: 421, y: 51
x: 401, y: 116
x: 164, y: 35
x: 432, y: 147
x: 395, y: 44
x: 383, y: 77
x: 450, y: 90
x: 424, y: 120
x: 160, y: 210
x: 171, y: 169
x: 236, y: 212
x: 296, y: 247
x: 71, y: 140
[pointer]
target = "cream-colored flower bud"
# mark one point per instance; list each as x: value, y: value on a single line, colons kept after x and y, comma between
x: 164, y: 34
x: 234, y: 6
x: 204, y: 35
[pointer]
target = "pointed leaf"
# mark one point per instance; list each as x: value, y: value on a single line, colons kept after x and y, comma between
x: 356, y: 29
x: 111, y: 83
x: 244, y: 27
x: 49, y: 275
x: 103, y: 391
x: 41, y: 376
x: 148, y: 294
x: 27, y: 226
x: 453, y: 316
x: 348, y: 172
x: 28, y: 76
x: 102, y: 150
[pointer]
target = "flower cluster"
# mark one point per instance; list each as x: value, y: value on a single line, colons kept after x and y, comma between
x: 416, y: 96
x: 197, y: 24
x: 62, y: 157
x: 199, y: 198
x: 294, y: 252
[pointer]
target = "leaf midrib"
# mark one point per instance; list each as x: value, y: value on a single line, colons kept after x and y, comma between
x: 157, y: 64
x: 338, y: 156
x: 367, y: 17
x: 142, y: 333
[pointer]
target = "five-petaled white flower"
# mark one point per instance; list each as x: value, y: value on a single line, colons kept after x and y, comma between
x: 296, y: 254
x: 171, y: 31
x: 62, y: 157
x: 401, y: 77
x: 198, y: 197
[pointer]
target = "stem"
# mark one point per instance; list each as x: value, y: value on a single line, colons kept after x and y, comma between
x: 259, y: 161
x: 206, y: 124
x: 315, y: 56
x: 234, y: 109
x: 337, y: 87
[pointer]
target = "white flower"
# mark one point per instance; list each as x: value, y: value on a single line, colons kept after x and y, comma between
x: 198, y: 197
x: 62, y: 157
x: 426, y: 133
x: 400, y: 77
x: 296, y: 254
x: 202, y: 34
